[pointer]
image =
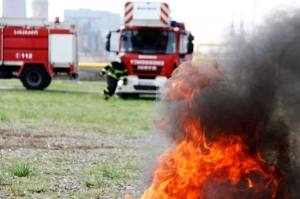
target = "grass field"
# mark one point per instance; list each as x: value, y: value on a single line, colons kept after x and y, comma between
x: 60, y: 84
x: 71, y: 145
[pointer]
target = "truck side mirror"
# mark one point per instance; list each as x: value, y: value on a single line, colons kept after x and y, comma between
x: 190, y: 48
x: 107, y: 44
x: 190, y: 38
x: 112, y: 41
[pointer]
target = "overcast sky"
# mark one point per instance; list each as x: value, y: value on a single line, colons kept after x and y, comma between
x: 205, y: 18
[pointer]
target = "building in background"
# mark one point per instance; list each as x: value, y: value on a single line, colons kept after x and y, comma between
x: 14, y: 8
x: 39, y: 9
x: 93, y: 27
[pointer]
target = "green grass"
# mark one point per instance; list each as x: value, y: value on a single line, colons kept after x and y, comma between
x: 38, y: 189
x: 112, y: 172
x: 21, y: 169
x: 97, y: 183
x: 17, y: 190
x: 55, y: 114
x: 2, y: 178
x: 59, y: 84
x: 52, y: 109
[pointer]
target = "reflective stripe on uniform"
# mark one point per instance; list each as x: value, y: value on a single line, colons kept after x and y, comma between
x: 112, y: 75
x: 111, y: 67
x: 106, y: 92
x: 120, y: 71
x: 116, y: 71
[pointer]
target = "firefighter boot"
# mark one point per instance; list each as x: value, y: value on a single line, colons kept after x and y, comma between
x: 105, y: 96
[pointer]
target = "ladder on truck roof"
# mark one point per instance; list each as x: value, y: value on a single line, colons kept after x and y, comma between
x: 62, y: 25
x: 18, y: 21
x: 34, y: 22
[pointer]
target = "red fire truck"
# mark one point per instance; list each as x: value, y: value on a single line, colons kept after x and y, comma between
x: 35, y: 51
x: 153, y: 44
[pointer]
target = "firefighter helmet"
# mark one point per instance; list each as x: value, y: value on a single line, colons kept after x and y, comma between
x: 121, y: 55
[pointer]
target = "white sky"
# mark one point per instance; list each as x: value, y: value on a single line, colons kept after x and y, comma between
x: 205, y: 18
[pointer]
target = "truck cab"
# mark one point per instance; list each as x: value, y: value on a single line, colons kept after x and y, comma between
x: 35, y: 50
x: 153, y: 45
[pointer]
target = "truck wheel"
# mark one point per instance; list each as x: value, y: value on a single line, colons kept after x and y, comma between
x: 6, y: 75
x: 123, y: 96
x: 126, y: 96
x: 47, y: 82
x: 35, y: 78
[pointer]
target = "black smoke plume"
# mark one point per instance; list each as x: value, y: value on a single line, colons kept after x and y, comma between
x: 255, y: 95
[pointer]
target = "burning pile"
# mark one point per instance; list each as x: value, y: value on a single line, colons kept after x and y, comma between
x: 231, y: 125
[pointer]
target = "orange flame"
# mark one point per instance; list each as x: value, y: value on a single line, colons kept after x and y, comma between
x: 194, y: 167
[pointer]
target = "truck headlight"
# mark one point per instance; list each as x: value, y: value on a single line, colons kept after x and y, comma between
x: 120, y: 82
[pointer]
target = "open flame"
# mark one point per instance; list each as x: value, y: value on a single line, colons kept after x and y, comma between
x: 235, y: 131
x: 212, y: 157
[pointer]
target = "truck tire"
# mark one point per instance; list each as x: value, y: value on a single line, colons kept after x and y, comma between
x: 126, y: 96
x: 6, y: 75
x: 47, y: 82
x: 123, y: 96
x: 35, y: 78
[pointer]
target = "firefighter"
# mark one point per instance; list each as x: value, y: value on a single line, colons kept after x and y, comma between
x: 114, y: 71
x: 56, y: 20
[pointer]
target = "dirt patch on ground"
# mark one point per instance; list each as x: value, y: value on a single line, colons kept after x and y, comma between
x: 87, y: 164
x: 12, y: 139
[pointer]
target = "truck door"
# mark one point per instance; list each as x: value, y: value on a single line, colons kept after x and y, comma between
x: 62, y: 50
x: 183, y: 41
x: 1, y: 46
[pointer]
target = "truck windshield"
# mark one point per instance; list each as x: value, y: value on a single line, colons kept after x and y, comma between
x: 148, y: 42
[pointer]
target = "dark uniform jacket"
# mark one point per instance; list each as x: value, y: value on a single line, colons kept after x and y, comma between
x: 115, y: 70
